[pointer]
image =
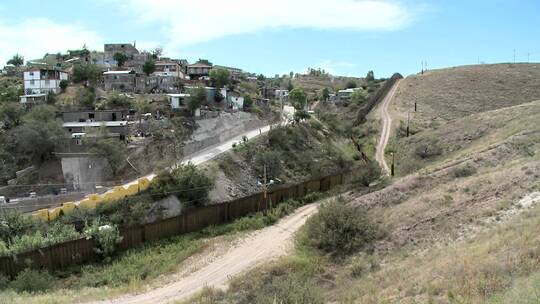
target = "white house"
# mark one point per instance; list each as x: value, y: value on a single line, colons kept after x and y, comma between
x: 178, y: 101
x: 43, y: 81
x: 168, y: 68
x: 281, y: 94
x: 236, y: 102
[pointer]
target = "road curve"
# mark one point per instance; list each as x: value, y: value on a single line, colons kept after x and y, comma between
x: 257, y: 248
x: 386, y: 128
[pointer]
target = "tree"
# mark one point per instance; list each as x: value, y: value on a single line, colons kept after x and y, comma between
x: 149, y: 67
x: 218, y: 97
x: 325, y: 94
x: 86, y: 73
x: 290, y: 86
x: 87, y: 98
x: 370, y: 76
x: 51, y: 98
x: 11, y: 114
x: 272, y: 161
x: 63, y: 85
x: 298, y: 98
x: 157, y: 52
x: 198, y: 97
x: 220, y: 77
x: 261, y: 77
x: 112, y: 150
x: 186, y: 182
x: 248, y: 102
x: 120, y: 58
x: 39, y: 134
x: 351, y: 84
x: 17, y: 60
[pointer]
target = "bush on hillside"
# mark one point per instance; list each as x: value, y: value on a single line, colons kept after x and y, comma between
x: 464, y: 171
x: 272, y: 161
x: 339, y: 228
x: 186, y: 182
x: 30, y: 280
x: 428, y: 148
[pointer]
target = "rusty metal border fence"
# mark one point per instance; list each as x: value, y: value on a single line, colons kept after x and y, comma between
x: 378, y: 97
x: 80, y: 251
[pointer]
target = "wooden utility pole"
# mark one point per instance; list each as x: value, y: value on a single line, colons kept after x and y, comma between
x: 408, y: 120
x: 265, y: 185
x: 392, y: 166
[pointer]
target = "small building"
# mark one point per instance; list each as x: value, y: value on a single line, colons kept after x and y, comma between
x: 235, y: 102
x: 346, y: 94
x: 178, y: 101
x: 120, y: 80
x: 123, y: 48
x: 93, y: 116
x: 43, y: 81
x: 115, y: 128
x: 198, y: 70
x: 234, y: 72
x: 281, y: 94
x: 33, y: 99
x: 168, y: 68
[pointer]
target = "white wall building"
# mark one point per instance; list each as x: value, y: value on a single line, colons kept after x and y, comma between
x: 43, y: 81
x: 169, y: 69
x: 178, y: 101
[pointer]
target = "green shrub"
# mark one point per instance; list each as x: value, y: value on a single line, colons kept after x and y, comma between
x: 30, y: 280
x: 464, y: 171
x: 105, y: 236
x: 3, y: 282
x: 187, y: 182
x: 428, y: 148
x: 367, y: 173
x: 272, y: 161
x: 339, y: 228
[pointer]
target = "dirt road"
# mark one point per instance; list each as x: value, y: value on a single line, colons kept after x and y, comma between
x: 386, y: 128
x: 258, y: 247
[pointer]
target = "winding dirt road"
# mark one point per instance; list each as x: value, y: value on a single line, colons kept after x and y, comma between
x: 257, y: 248
x: 386, y: 128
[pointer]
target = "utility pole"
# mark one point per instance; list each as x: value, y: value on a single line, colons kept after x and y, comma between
x: 408, y: 120
x: 392, y: 167
x: 265, y: 184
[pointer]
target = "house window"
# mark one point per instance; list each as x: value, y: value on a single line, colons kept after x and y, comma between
x: 31, y: 73
x: 32, y: 82
x: 91, y: 116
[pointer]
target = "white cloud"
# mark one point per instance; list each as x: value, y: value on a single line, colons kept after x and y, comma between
x: 32, y: 38
x: 186, y: 22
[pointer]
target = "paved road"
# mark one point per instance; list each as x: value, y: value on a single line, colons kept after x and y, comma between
x: 206, y: 154
x: 257, y: 248
x: 386, y: 128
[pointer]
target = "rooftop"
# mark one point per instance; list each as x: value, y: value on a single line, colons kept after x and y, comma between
x: 118, y: 72
x: 95, y: 124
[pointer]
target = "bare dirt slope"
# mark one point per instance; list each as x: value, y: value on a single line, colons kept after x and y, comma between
x: 261, y: 246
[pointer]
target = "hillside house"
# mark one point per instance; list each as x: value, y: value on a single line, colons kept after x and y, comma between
x: 125, y: 81
x: 346, y: 94
x: 234, y: 72
x: 198, y: 70
x: 168, y: 68
x: 178, y: 101
x: 78, y: 123
x: 30, y: 100
x: 281, y: 94
x: 43, y: 81
x: 123, y: 48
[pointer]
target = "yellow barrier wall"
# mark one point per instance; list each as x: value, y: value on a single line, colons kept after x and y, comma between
x: 132, y: 190
x: 68, y: 207
x: 144, y: 183
x: 87, y: 204
x: 54, y: 213
x: 41, y: 215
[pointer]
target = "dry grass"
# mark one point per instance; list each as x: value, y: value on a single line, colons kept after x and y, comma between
x: 448, y: 94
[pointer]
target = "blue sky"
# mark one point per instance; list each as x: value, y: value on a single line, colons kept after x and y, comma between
x: 346, y: 37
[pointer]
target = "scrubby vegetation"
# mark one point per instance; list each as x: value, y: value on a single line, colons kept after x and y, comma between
x: 137, y: 266
x: 339, y: 228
